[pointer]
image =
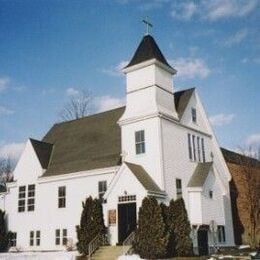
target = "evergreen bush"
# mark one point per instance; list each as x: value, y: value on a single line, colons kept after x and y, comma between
x: 150, y: 238
x: 91, y: 224
x: 4, y: 234
x: 180, y: 243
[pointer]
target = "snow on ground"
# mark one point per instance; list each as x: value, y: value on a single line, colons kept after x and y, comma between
x: 129, y: 257
x: 39, y: 256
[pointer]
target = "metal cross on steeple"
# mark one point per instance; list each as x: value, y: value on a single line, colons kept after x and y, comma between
x: 148, y: 25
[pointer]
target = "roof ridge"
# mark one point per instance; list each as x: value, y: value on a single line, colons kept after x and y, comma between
x: 89, y: 116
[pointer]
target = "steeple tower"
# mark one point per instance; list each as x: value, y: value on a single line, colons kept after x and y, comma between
x: 149, y: 83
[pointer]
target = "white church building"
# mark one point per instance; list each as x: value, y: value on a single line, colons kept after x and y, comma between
x: 160, y: 144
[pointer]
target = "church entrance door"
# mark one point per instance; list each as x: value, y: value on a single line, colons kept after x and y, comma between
x: 203, y: 242
x: 126, y: 220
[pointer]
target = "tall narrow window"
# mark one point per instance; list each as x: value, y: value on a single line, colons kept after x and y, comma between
x: 31, y: 238
x: 139, y: 142
x: 221, y: 234
x: 189, y: 146
x: 38, y: 238
x: 57, y: 237
x: 198, y: 146
x: 194, y: 147
x: 31, y: 197
x: 13, y: 239
x: 102, y: 188
x: 21, y: 198
x: 194, y: 115
x: 203, y: 150
x: 178, y: 188
x: 64, y: 237
x: 62, y: 197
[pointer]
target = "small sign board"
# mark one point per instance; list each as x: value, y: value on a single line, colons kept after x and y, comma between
x: 112, y: 217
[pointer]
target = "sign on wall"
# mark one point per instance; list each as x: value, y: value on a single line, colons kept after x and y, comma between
x: 112, y: 217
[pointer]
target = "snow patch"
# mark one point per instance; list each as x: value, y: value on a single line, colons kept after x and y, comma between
x: 129, y: 257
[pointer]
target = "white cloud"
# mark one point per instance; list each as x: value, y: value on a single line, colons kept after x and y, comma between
x: 184, y: 11
x: 5, y: 111
x: 4, y: 83
x: 237, y: 38
x: 108, y: 102
x: 213, y: 9
x: 253, y: 140
x: 117, y: 70
x: 72, y: 92
x: 11, y: 150
x: 218, y: 9
x: 221, y: 119
x: 191, y: 68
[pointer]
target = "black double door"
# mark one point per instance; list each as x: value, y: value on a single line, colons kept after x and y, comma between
x: 126, y: 220
x: 203, y: 242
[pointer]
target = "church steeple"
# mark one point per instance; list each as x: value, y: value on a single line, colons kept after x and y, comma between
x: 147, y: 50
x: 149, y: 82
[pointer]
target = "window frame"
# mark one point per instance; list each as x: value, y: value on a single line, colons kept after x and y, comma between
x: 194, y: 147
x: 22, y: 198
x: 57, y: 237
x: 64, y: 236
x: 31, y: 241
x: 102, y: 188
x: 194, y: 115
x: 140, y: 142
x: 61, y: 197
x: 13, y: 240
x: 189, y: 146
x: 198, y: 148
x: 203, y: 150
x: 38, y: 238
x: 31, y: 197
x: 221, y: 234
x: 178, y: 184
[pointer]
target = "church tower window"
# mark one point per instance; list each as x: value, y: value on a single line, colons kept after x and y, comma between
x: 194, y: 115
x: 62, y: 197
x: 140, y: 142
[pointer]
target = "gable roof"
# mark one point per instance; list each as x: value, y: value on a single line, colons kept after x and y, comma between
x: 200, y: 174
x: 143, y: 177
x: 236, y: 158
x: 84, y: 144
x: 88, y: 143
x: 147, y: 49
x: 43, y: 151
x: 181, y: 99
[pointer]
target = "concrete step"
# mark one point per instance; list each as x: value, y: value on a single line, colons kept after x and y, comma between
x: 109, y: 252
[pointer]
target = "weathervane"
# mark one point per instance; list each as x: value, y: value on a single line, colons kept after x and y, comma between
x: 148, y: 25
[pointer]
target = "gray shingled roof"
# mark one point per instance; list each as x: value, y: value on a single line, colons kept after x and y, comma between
x: 200, y: 174
x: 181, y: 99
x: 88, y: 143
x: 147, y: 49
x: 43, y: 151
x: 143, y: 177
x: 84, y: 144
x: 237, y: 158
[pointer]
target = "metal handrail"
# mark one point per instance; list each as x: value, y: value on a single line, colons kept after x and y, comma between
x: 95, y: 243
x: 128, y: 241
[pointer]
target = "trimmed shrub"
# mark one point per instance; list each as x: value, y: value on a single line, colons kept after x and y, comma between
x: 150, y: 238
x: 91, y: 224
x: 4, y: 234
x: 180, y: 243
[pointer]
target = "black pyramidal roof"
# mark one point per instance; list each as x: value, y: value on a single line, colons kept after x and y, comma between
x: 147, y: 49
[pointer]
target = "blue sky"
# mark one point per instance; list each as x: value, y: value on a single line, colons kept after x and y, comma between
x: 51, y: 49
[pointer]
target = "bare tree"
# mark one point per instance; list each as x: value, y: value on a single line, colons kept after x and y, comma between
x: 251, y: 177
x: 78, y: 106
x: 6, y: 168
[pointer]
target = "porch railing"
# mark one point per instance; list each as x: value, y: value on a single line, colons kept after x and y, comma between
x: 128, y: 242
x: 95, y: 243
